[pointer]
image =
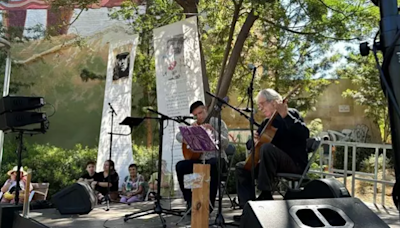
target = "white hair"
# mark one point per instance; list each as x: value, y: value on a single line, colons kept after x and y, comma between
x: 270, y: 95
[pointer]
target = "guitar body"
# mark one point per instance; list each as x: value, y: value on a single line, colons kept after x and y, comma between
x: 266, y: 137
x: 188, y: 154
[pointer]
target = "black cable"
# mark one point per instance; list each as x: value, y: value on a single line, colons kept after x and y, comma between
x: 54, y: 109
x: 104, y: 224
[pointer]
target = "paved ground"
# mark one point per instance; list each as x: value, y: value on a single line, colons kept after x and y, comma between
x: 113, y: 218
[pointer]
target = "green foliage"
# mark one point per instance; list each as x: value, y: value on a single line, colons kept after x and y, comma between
x: 50, y: 164
x: 368, y: 164
x: 61, y: 167
x: 146, y: 160
x: 288, y: 43
x: 363, y: 73
x: 315, y: 127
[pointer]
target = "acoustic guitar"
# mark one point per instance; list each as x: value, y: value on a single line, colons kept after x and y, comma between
x: 266, y: 136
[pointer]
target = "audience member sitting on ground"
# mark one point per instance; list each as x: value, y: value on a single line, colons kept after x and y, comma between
x: 7, y: 194
x: 166, y: 181
x: 102, y: 179
x: 89, y: 175
x: 132, y: 188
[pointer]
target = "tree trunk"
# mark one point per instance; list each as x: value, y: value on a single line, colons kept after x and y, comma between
x: 189, y: 6
x: 149, y: 137
x: 235, y: 55
x: 235, y: 17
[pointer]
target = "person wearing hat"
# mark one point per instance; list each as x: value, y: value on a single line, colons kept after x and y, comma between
x: 8, y: 190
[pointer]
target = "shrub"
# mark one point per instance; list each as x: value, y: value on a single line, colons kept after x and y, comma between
x: 146, y: 160
x: 368, y: 164
x: 50, y: 164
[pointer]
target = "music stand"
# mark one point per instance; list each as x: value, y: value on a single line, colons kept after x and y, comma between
x: 136, y: 121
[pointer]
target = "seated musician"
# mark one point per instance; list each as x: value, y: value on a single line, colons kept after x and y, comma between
x: 199, y: 110
x: 285, y: 154
x: 105, y: 178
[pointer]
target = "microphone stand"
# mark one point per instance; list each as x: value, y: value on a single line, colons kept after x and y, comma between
x: 250, y: 97
x: 157, y: 208
x: 219, y: 220
x: 107, y: 196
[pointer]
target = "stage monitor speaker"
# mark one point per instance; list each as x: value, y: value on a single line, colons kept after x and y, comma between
x: 21, y: 222
x: 7, y: 214
x: 319, y: 189
x: 78, y: 198
x: 338, y: 212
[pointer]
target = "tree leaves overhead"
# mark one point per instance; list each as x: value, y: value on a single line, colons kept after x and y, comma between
x: 362, y: 72
x: 291, y: 40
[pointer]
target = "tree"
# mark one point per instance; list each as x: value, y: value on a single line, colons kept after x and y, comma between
x: 362, y: 72
x: 292, y: 30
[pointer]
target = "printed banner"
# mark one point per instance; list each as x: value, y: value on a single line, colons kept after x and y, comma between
x: 179, y: 81
x: 118, y: 94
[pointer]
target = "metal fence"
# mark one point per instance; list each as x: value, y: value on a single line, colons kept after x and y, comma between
x: 350, y: 154
x: 353, y: 173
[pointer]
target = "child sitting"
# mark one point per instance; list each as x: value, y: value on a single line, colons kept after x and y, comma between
x: 89, y: 176
x: 132, y: 189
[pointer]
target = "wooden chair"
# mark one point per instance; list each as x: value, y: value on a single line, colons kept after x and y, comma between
x: 39, y: 191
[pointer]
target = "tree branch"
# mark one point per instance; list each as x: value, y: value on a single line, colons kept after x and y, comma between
x: 235, y: 18
x: 76, y: 18
x: 307, y: 33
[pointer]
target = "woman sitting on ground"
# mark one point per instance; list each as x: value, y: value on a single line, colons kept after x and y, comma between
x: 8, y: 189
x: 132, y: 188
x: 109, y: 177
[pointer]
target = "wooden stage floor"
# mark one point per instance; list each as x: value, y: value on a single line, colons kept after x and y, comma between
x: 113, y: 218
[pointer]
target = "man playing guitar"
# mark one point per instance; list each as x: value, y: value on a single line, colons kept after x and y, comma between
x: 199, y: 110
x: 286, y: 153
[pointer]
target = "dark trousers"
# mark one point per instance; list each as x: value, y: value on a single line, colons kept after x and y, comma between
x: 273, y: 160
x: 186, y: 167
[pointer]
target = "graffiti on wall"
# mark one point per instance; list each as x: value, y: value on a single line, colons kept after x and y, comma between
x: 358, y: 134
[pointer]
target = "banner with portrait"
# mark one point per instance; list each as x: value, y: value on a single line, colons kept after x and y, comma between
x: 179, y: 81
x: 118, y: 95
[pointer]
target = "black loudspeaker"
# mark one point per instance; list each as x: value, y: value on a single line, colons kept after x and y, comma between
x: 21, y: 222
x: 7, y: 214
x: 339, y: 212
x: 78, y: 198
x: 319, y: 189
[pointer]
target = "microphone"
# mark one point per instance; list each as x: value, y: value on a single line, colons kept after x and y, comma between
x: 251, y: 66
x: 112, y: 109
x: 249, y: 110
x: 226, y: 99
x: 186, y: 117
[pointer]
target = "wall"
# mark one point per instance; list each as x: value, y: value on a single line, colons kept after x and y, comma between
x: 327, y: 109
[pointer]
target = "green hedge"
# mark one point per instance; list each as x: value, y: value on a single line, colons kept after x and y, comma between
x: 50, y: 164
x: 61, y: 167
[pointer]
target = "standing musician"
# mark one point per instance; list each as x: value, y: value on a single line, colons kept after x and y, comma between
x: 286, y: 153
x: 199, y: 110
